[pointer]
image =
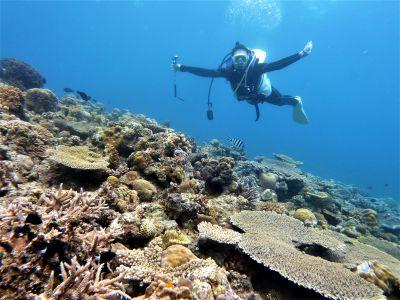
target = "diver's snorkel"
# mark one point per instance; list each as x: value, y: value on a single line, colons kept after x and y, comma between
x: 174, y: 60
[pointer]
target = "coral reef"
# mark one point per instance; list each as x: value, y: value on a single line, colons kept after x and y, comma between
x: 40, y: 100
x: 144, y: 212
x: 20, y: 74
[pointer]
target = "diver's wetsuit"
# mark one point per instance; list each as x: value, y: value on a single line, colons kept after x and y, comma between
x: 249, y: 91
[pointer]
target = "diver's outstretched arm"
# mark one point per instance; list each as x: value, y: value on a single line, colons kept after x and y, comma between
x: 202, y: 72
x: 280, y: 64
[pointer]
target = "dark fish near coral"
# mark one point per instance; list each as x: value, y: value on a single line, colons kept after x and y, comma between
x: 236, y: 143
x: 369, y: 187
x: 83, y: 96
x: 68, y: 90
x: 386, y: 185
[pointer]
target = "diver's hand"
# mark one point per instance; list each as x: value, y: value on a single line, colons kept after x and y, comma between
x: 307, y: 49
x: 176, y: 67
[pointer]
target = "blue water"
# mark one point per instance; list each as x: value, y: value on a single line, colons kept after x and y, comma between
x: 120, y: 53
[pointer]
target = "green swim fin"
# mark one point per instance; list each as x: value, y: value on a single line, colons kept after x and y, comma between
x: 298, y: 113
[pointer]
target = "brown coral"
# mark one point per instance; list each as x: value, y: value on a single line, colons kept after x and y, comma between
x: 11, y: 100
x: 26, y: 138
x: 40, y: 100
x: 79, y: 157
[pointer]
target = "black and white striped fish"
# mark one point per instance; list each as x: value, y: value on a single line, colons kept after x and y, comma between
x: 236, y: 143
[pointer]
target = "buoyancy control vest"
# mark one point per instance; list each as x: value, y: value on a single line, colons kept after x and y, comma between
x: 263, y: 83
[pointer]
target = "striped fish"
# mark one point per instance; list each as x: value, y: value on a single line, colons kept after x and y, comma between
x: 236, y: 143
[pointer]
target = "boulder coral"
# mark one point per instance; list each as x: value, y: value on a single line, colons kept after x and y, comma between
x: 20, y: 74
x: 40, y: 100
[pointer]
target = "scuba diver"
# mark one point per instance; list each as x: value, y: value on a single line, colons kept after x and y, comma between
x: 246, y: 70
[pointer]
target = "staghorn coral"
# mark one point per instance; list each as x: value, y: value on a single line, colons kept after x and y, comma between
x: 40, y: 100
x: 26, y: 138
x: 83, y: 282
x: 274, y: 241
x: 36, y: 236
x: 79, y: 157
x: 20, y: 74
x: 11, y: 100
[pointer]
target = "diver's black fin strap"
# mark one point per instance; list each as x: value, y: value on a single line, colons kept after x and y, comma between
x: 257, y: 111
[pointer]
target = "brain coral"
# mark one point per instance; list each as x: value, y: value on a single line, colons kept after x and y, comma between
x: 20, y: 74
x: 275, y: 241
x: 79, y: 157
x: 40, y: 100
x: 11, y: 100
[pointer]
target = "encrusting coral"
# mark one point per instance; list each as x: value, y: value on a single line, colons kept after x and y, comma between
x: 79, y: 157
x: 274, y: 241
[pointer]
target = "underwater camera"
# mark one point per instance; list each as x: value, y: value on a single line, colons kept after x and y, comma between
x: 210, y: 114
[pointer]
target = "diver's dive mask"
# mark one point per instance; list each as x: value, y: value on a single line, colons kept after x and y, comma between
x: 240, y: 58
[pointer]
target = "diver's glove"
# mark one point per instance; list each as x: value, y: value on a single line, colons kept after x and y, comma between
x: 307, y: 49
x: 176, y: 67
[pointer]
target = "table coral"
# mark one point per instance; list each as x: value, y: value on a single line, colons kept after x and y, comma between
x: 274, y: 241
x: 79, y: 157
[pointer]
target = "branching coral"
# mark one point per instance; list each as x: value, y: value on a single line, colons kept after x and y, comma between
x: 84, y: 282
x: 79, y: 157
x: 275, y: 241
x: 37, y: 237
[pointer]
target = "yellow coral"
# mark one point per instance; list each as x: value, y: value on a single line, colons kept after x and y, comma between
x: 172, y: 236
x: 79, y: 157
x: 305, y: 215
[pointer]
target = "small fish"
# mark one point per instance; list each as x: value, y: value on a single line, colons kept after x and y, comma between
x: 236, y: 143
x: 386, y: 185
x: 83, y: 95
x: 369, y: 187
x: 68, y: 90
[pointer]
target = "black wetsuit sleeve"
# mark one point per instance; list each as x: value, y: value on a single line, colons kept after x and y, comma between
x: 279, y: 64
x: 203, y: 72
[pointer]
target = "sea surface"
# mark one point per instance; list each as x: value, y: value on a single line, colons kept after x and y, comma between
x: 119, y: 52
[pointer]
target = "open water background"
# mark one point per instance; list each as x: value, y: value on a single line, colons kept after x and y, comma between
x: 120, y: 52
